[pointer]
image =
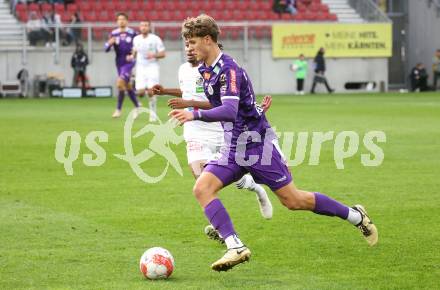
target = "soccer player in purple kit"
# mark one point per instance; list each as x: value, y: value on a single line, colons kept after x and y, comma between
x: 230, y: 92
x: 121, y: 39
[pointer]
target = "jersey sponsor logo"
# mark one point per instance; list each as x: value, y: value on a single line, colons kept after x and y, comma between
x: 233, y: 82
x: 199, y: 89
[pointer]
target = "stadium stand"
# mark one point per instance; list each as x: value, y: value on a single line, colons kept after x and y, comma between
x: 104, y: 11
x: 172, y: 10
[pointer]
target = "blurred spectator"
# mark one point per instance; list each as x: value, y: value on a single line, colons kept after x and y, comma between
x: 419, y: 78
x: 290, y: 6
x: 52, y: 19
x: 284, y: 6
x: 35, y: 29
x: 74, y: 33
x: 79, y: 63
x: 300, y: 67
x: 436, y: 68
x: 319, y: 63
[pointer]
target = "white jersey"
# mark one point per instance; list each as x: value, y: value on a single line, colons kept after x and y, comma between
x: 191, y: 85
x: 144, y: 45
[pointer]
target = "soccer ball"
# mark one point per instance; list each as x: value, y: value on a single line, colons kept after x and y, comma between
x: 156, y: 263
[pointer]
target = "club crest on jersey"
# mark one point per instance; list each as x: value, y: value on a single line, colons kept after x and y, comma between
x: 128, y: 39
x: 210, y: 90
x: 233, y: 82
x: 199, y: 81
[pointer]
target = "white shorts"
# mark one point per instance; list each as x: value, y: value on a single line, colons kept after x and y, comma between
x: 197, y: 150
x: 146, y: 77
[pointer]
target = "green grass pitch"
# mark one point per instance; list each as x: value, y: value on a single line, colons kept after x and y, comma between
x: 88, y: 231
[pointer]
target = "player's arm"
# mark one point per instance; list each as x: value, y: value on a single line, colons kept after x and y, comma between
x: 160, y: 90
x: 179, y: 103
x: 110, y: 42
x: 132, y: 55
x: 226, y: 112
x: 160, y: 51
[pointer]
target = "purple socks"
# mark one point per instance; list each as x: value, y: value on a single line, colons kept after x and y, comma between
x: 121, y: 96
x: 326, y: 206
x: 133, y: 98
x: 219, y: 218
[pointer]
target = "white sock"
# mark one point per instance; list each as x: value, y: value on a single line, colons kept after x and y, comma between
x: 354, y: 217
x: 152, y: 106
x: 233, y: 242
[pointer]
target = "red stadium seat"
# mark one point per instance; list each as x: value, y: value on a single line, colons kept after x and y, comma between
x: 218, y: 5
x: 181, y: 5
x: 324, y: 8
x: 121, y: 7
x: 33, y: 7
x: 140, y: 15
x: 65, y: 18
x: 20, y: 7
x: 159, y: 6
x: 89, y: 16
x: 332, y: 17
x: 109, y: 6
x: 85, y: 6
x: 58, y: 8
x: 72, y: 7
x: 299, y: 17
x: 96, y: 6
x: 251, y: 15
x: 45, y: 7
x: 230, y: 5
x: 136, y: 6
x: 177, y: 16
x: 22, y: 15
x: 301, y: 8
x: 266, y: 5
x: 287, y: 16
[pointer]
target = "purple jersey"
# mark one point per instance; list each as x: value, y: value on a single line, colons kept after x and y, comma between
x: 123, y: 45
x: 226, y: 80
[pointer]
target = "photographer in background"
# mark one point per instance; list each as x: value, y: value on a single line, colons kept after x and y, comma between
x: 79, y: 63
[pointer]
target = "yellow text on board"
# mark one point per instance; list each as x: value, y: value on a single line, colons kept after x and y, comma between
x: 339, y: 40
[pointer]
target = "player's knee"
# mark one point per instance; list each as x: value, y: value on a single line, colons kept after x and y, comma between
x: 201, y: 191
x: 121, y: 85
x: 291, y: 204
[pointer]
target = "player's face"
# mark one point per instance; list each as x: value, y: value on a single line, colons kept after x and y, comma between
x: 190, y: 56
x: 122, y: 21
x: 198, y: 46
x: 144, y: 27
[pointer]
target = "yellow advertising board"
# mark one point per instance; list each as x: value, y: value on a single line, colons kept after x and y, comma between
x: 339, y: 39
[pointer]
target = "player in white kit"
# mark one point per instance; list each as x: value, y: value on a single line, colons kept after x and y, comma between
x: 203, y: 139
x: 147, y: 49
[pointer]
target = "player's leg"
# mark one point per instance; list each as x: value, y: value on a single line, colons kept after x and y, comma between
x: 120, y: 84
x: 125, y: 75
x: 295, y: 199
x: 277, y: 176
x: 247, y: 182
x: 213, y: 178
x: 152, y: 80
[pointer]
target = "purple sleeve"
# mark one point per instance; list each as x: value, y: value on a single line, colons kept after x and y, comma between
x: 107, y: 46
x: 227, y: 112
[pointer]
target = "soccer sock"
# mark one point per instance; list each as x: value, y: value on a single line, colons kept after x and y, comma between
x: 219, y: 218
x: 233, y: 242
x: 152, y: 105
x: 121, y: 96
x: 326, y: 206
x: 133, y: 97
x: 354, y: 217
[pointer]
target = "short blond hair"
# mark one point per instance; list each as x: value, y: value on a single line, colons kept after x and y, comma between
x: 200, y: 26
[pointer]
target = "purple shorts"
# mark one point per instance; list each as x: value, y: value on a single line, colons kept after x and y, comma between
x: 124, y: 71
x: 272, y: 172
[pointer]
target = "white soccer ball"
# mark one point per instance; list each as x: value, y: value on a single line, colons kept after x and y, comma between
x: 156, y: 263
